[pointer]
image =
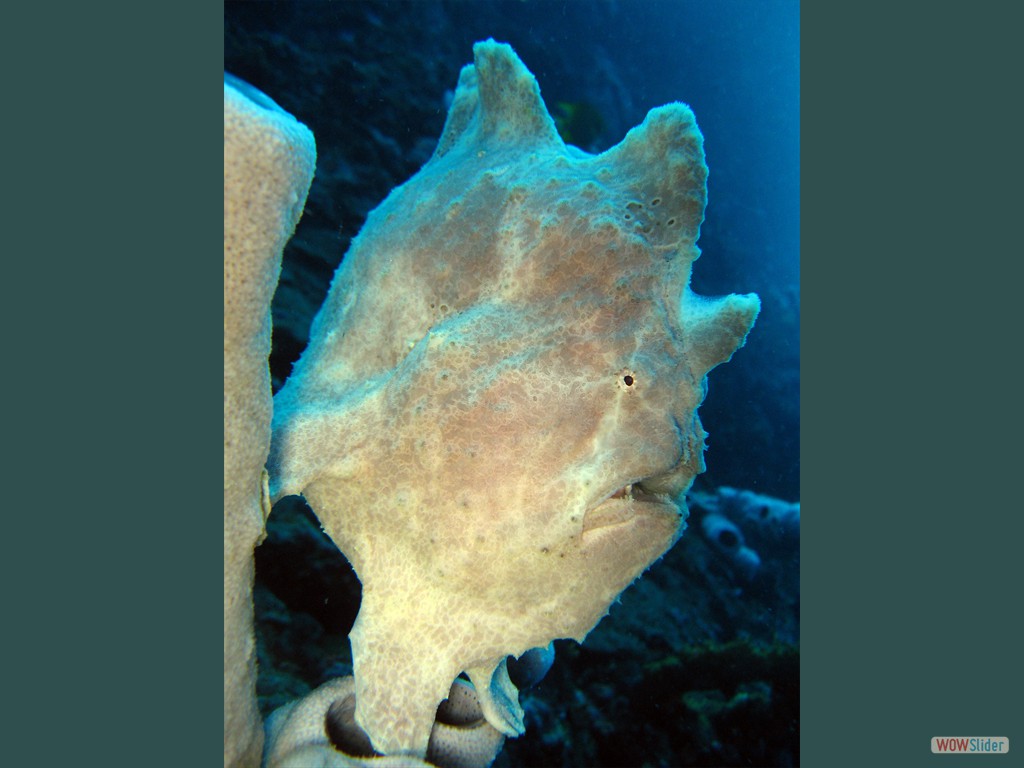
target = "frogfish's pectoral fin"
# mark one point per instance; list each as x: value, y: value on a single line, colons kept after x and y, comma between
x: 499, y: 697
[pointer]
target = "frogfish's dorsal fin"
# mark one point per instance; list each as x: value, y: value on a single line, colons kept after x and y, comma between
x: 497, y: 100
x: 664, y: 159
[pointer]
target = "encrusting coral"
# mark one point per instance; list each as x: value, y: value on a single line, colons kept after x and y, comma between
x: 496, y: 416
x: 269, y: 159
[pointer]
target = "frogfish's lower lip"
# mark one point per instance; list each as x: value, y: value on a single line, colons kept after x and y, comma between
x: 626, y: 504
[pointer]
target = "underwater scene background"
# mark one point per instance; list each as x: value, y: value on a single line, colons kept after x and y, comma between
x: 698, y: 664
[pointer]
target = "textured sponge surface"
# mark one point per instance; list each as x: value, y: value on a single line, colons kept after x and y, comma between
x: 268, y: 166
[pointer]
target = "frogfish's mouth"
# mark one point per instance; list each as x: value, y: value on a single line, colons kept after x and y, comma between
x: 641, y: 498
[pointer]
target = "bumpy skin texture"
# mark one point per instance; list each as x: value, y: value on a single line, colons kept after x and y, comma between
x: 498, y: 403
x: 268, y: 166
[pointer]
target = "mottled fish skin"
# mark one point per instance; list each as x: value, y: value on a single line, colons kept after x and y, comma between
x: 496, y: 416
